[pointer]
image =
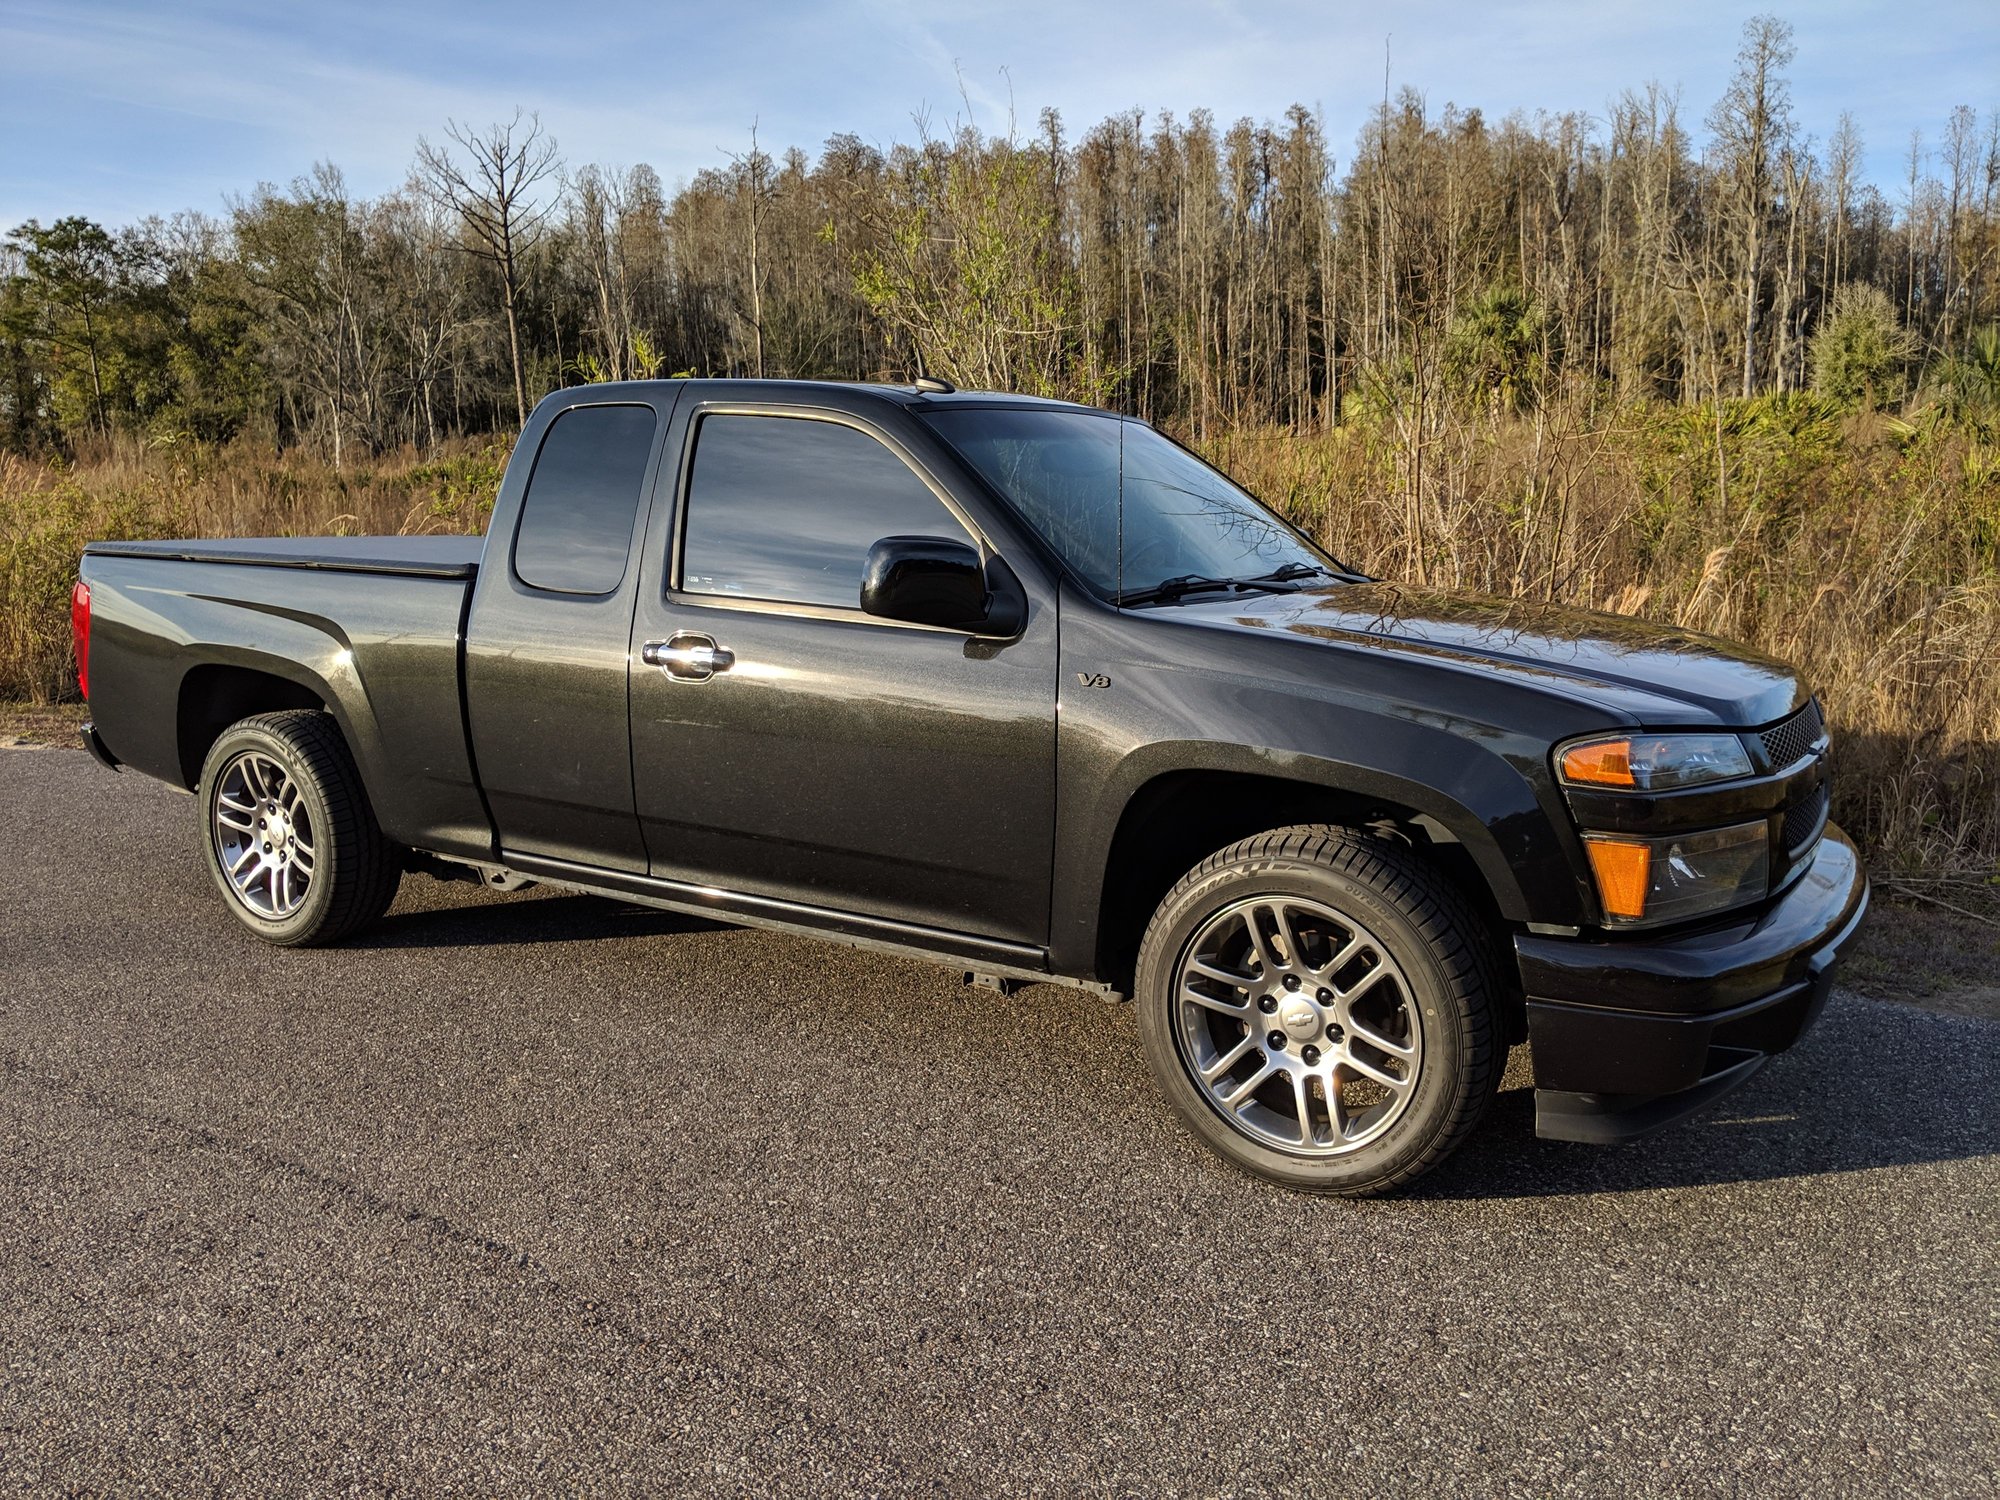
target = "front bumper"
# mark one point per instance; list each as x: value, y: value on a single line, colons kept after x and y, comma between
x: 1630, y: 1036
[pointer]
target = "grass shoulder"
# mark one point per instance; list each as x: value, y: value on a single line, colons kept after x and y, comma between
x: 1939, y: 949
x: 33, y: 726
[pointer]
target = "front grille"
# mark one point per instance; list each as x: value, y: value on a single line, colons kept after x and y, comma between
x: 1797, y: 737
x: 1803, y: 821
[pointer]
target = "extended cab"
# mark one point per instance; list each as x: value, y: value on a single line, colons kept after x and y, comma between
x: 1028, y: 689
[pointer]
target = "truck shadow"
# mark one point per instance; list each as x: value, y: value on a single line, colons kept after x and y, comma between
x: 1875, y: 1084
x: 484, y: 919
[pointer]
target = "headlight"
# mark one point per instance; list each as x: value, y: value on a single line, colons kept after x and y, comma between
x: 1653, y: 762
x: 1682, y: 875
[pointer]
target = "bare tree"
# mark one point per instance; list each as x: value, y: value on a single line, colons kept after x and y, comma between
x: 1961, y: 155
x: 1751, y: 122
x: 752, y: 174
x: 1843, y: 171
x: 425, y: 305
x: 494, y: 194
x: 594, y: 217
x: 307, y: 260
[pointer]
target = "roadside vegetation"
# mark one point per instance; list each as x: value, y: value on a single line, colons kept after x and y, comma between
x: 1700, y: 372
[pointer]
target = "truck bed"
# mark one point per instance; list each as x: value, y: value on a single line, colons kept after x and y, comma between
x: 186, y: 632
x: 397, y: 556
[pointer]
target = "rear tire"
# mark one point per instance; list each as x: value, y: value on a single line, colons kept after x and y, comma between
x: 1317, y: 1005
x: 290, y: 839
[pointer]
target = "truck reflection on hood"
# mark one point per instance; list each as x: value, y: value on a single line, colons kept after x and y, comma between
x: 1530, y: 636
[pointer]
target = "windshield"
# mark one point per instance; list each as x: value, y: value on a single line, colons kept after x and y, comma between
x: 1181, y: 520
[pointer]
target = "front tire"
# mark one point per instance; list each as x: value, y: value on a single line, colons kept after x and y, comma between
x: 290, y: 838
x: 1317, y: 1005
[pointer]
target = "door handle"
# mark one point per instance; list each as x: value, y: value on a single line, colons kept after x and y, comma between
x: 688, y: 657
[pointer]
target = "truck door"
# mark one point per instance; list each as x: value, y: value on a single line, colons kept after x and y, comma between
x: 787, y: 745
x: 550, y: 621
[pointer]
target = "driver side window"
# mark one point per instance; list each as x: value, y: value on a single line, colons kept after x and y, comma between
x: 786, y: 508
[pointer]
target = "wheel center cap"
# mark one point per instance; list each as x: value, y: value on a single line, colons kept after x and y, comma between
x: 1298, y: 1015
x: 278, y: 828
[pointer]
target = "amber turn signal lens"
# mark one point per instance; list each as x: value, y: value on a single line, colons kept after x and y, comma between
x: 1623, y: 872
x: 1605, y: 763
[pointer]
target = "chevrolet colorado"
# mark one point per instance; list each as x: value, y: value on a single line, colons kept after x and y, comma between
x: 1029, y: 689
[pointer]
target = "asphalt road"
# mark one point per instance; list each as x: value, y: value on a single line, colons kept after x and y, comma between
x: 537, y: 1192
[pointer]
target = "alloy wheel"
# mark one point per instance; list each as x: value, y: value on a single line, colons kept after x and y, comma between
x: 263, y: 835
x: 1297, y: 1025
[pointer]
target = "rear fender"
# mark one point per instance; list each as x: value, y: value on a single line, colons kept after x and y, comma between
x: 387, y: 671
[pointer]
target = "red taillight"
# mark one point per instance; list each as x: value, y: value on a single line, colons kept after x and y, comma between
x: 79, y: 633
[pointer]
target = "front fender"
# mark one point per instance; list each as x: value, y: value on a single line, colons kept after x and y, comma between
x: 1483, y: 802
x: 1465, y: 749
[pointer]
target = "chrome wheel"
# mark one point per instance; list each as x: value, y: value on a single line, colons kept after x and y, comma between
x: 1297, y: 1025
x: 263, y: 835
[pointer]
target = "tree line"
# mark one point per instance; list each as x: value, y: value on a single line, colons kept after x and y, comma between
x: 1203, y: 276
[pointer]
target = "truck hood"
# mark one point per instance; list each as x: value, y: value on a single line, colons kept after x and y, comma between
x: 1655, y: 674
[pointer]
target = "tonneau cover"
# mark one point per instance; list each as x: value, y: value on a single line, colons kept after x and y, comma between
x: 411, y: 556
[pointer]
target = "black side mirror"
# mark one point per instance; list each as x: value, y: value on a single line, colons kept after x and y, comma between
x: 929, y: 580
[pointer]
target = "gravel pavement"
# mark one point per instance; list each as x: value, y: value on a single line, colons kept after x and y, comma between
x: 542, y: 1192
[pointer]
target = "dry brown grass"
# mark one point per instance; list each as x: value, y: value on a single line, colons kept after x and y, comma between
x: 49, y: 510
x: 1868, y: 552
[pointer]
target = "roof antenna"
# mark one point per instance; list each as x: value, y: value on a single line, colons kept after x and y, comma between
x: 925, y: 381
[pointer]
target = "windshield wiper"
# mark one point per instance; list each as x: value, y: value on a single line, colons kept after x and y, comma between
x: 1193, y: 583
x: 1169, y: 589
x: 1174, y: 588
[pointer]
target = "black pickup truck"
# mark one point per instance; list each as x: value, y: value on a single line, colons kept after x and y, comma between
x: 1028, y: 689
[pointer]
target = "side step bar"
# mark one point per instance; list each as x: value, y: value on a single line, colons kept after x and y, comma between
x: 984, y: 961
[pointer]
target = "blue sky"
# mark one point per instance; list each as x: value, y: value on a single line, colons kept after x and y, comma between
x: 117, y: 110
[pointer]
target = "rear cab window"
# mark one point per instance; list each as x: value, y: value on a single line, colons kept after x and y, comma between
x: 785, y: 508
x: 575, y: 532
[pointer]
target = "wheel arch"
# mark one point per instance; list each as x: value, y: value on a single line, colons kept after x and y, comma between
x: 214, y: 695
x: 1178, y: 813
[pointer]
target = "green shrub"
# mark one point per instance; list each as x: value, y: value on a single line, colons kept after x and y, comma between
x: 1861, y: 352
